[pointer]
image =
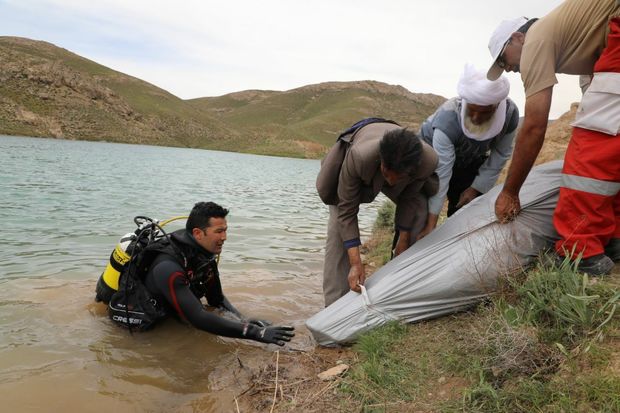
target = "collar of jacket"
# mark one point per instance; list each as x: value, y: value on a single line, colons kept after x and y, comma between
x: 187, y: 240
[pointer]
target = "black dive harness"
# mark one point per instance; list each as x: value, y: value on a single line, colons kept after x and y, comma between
x: 133, y: 306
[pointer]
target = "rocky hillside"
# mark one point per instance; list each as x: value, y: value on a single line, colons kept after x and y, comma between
x: 48, y: 91
x: 312, y: 116
x: 556, y: 140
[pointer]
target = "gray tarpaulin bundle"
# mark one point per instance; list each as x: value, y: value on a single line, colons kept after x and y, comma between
x: 452, y: 268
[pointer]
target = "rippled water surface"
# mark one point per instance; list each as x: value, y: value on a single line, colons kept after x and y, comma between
x: 63, y: 206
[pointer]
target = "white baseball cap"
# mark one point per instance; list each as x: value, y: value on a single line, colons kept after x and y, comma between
x: 498, y: 39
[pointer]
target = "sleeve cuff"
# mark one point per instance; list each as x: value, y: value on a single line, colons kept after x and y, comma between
x: 481, y: 186
x: 355, y: 242
x: 435, y: 204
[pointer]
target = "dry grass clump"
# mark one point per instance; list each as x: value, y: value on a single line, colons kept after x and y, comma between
x: 509, y: 351
x: 287, y: 382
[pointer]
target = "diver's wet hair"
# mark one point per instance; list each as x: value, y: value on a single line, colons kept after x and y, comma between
x: 201, y: 212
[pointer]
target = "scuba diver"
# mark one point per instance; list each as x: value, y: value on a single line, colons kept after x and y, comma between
x: 172, y: 274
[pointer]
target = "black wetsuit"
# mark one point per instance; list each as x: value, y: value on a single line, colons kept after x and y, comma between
x: 179, y: 291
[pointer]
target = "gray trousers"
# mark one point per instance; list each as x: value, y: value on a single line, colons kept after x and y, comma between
x: 336, y: 266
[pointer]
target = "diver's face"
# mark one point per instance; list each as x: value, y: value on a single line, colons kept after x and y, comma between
x: 212, y: 238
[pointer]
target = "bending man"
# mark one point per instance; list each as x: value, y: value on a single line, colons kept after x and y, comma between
x: 472, y: 135
x: 580, y: 37
x: 383, y: 157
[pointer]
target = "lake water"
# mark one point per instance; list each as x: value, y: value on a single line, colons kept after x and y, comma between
x: 64, y: 205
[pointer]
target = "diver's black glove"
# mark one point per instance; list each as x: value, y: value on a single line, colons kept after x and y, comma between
x: 271, y: 335
x: 260, y: 323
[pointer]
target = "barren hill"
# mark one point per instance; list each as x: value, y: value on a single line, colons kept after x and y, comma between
x: 312, y: 116
x: 50, y: 92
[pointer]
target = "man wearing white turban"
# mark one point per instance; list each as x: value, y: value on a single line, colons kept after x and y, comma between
x: 473, y: 136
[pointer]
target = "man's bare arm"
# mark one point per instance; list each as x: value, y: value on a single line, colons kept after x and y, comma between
x: 528, y: 143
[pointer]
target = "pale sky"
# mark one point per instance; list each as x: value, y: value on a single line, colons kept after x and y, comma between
x: 197, y: 48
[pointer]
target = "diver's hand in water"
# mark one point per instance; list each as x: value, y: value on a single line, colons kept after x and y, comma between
x: 260, y: 323
x: 272, y: 334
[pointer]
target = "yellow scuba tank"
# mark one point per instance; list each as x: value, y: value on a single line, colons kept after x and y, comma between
x: 119, y: 257
x: 108, y: 282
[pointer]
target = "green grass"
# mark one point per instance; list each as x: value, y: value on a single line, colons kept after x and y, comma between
x: 564, y: 305
x: 382, y: 375
x: 383, y: 232
x: 547, y: 346
x: 574, y: 392
x: 385, y: 216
